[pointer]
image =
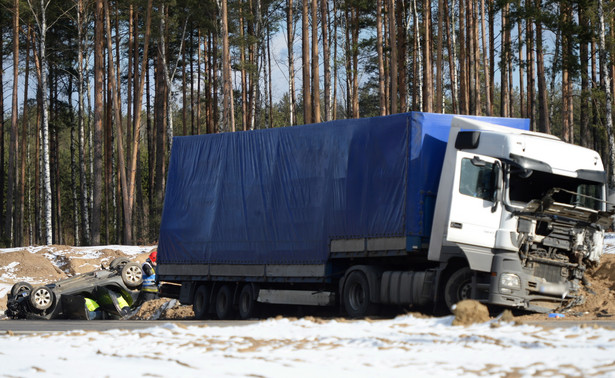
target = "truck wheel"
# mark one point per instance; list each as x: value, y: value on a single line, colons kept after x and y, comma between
x: 132, y: 275
x: 247, y: 302
x: 19, y: 288
x: 356, y: 296
x: 224, y: 302
x: 458, y: 287
x: 200, y: 304
x: 41, y: 298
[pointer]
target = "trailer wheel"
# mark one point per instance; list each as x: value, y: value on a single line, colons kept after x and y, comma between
x: 247, y: 302
x: 41, y: 298
x: 458, y: 287
x: 132, y: 275
x: 356, y: 296
x: 224, y: 302
x: 200, y: 304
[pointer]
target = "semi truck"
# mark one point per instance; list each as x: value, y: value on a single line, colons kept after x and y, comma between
x: 415, y: 210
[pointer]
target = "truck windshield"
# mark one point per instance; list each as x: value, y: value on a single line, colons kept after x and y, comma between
x: 525, y: 186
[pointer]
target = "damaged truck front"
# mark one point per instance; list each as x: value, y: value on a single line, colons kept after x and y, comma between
x: 550, y: 200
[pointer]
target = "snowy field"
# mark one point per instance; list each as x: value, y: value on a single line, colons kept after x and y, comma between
x: 402, y: 347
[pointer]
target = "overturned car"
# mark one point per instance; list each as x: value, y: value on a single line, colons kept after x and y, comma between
x: 108, y: 293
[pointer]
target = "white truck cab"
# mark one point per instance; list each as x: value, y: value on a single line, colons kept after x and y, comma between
x: 527, y: 212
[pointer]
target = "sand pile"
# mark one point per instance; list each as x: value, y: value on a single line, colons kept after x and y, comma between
x: 469, y: 312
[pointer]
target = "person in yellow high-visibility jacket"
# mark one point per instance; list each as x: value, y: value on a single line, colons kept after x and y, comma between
x: 94, y: 311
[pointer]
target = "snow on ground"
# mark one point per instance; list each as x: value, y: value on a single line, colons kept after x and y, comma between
x: 404, y: 346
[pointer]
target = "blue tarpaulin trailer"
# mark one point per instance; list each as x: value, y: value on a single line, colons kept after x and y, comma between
x: 301, y: 205
x: 280, y: 196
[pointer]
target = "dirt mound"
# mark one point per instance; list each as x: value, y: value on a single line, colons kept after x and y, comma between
x: 27, y: 266
x: 600, y: 295
x: 469, y: 312
x: 163, y: 308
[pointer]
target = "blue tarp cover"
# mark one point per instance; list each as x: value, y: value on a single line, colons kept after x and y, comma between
x: 278, y: 196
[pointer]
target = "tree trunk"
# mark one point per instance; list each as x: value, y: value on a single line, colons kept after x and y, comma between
x: 439, y: 105
x: 98, y: 121
x: 418, y: 71
x: 393, y: 48
x: 290, y: 26
x: 326, y: 58
x: 606, y: 83
x: 522, y: 108
x: 543, y: 107
x: 244, y: 83
x: 427, y: 66
x: 355, y: 64
x: 488, y: 107
x: 2, y: 180
x: 504, y: 95
x: 531, y: 83
x: 452, y: 55
x: 379, y: 49
x: 13, y: 147
x: 19, y: 226
x: 315, y: 70
x: 585, y: 91
x: 305, y: 60
x: 229, y: 113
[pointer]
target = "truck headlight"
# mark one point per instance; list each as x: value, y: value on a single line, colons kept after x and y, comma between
x: 510, y: 281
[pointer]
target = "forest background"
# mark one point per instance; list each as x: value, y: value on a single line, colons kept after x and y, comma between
x: 93, y: 91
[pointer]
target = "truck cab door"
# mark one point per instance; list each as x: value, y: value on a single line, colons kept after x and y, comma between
x: 474, y: 217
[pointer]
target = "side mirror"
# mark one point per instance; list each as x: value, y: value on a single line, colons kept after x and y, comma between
x: 498, y: 177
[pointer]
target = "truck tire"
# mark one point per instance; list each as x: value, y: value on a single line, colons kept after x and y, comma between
x: 224, y: 302
x: 41, y: 298
x: 247, y: 302
x: 132, y: 275
x: 458, y: 287
x: 356, y: 296
x: 200, y: 304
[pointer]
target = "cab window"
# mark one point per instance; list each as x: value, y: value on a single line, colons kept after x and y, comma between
x: 477, y: 179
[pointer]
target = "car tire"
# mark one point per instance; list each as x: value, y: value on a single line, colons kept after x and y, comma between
x: 224, y: 303
x: 41, y: 298
x: 118, y: 262
x: 132, y: 275
x: 20, y: 287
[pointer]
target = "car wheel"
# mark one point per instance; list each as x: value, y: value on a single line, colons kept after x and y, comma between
x: 132, y: 275
x: 356, y: 296
x: 224, y: 302
x: 458, y: 287
x: 118, y: 262
x: 19, y: 288
x: 247, y: 302
x: 200, y: 305
x: 41, y: 298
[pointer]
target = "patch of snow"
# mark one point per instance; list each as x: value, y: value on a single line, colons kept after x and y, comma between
x: 404, y: 346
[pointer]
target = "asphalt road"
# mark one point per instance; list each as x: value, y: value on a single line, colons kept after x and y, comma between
x: 23, y: 326
x: 48, y: 326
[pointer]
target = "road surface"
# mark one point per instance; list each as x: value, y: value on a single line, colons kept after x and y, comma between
x: 47, y: 326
